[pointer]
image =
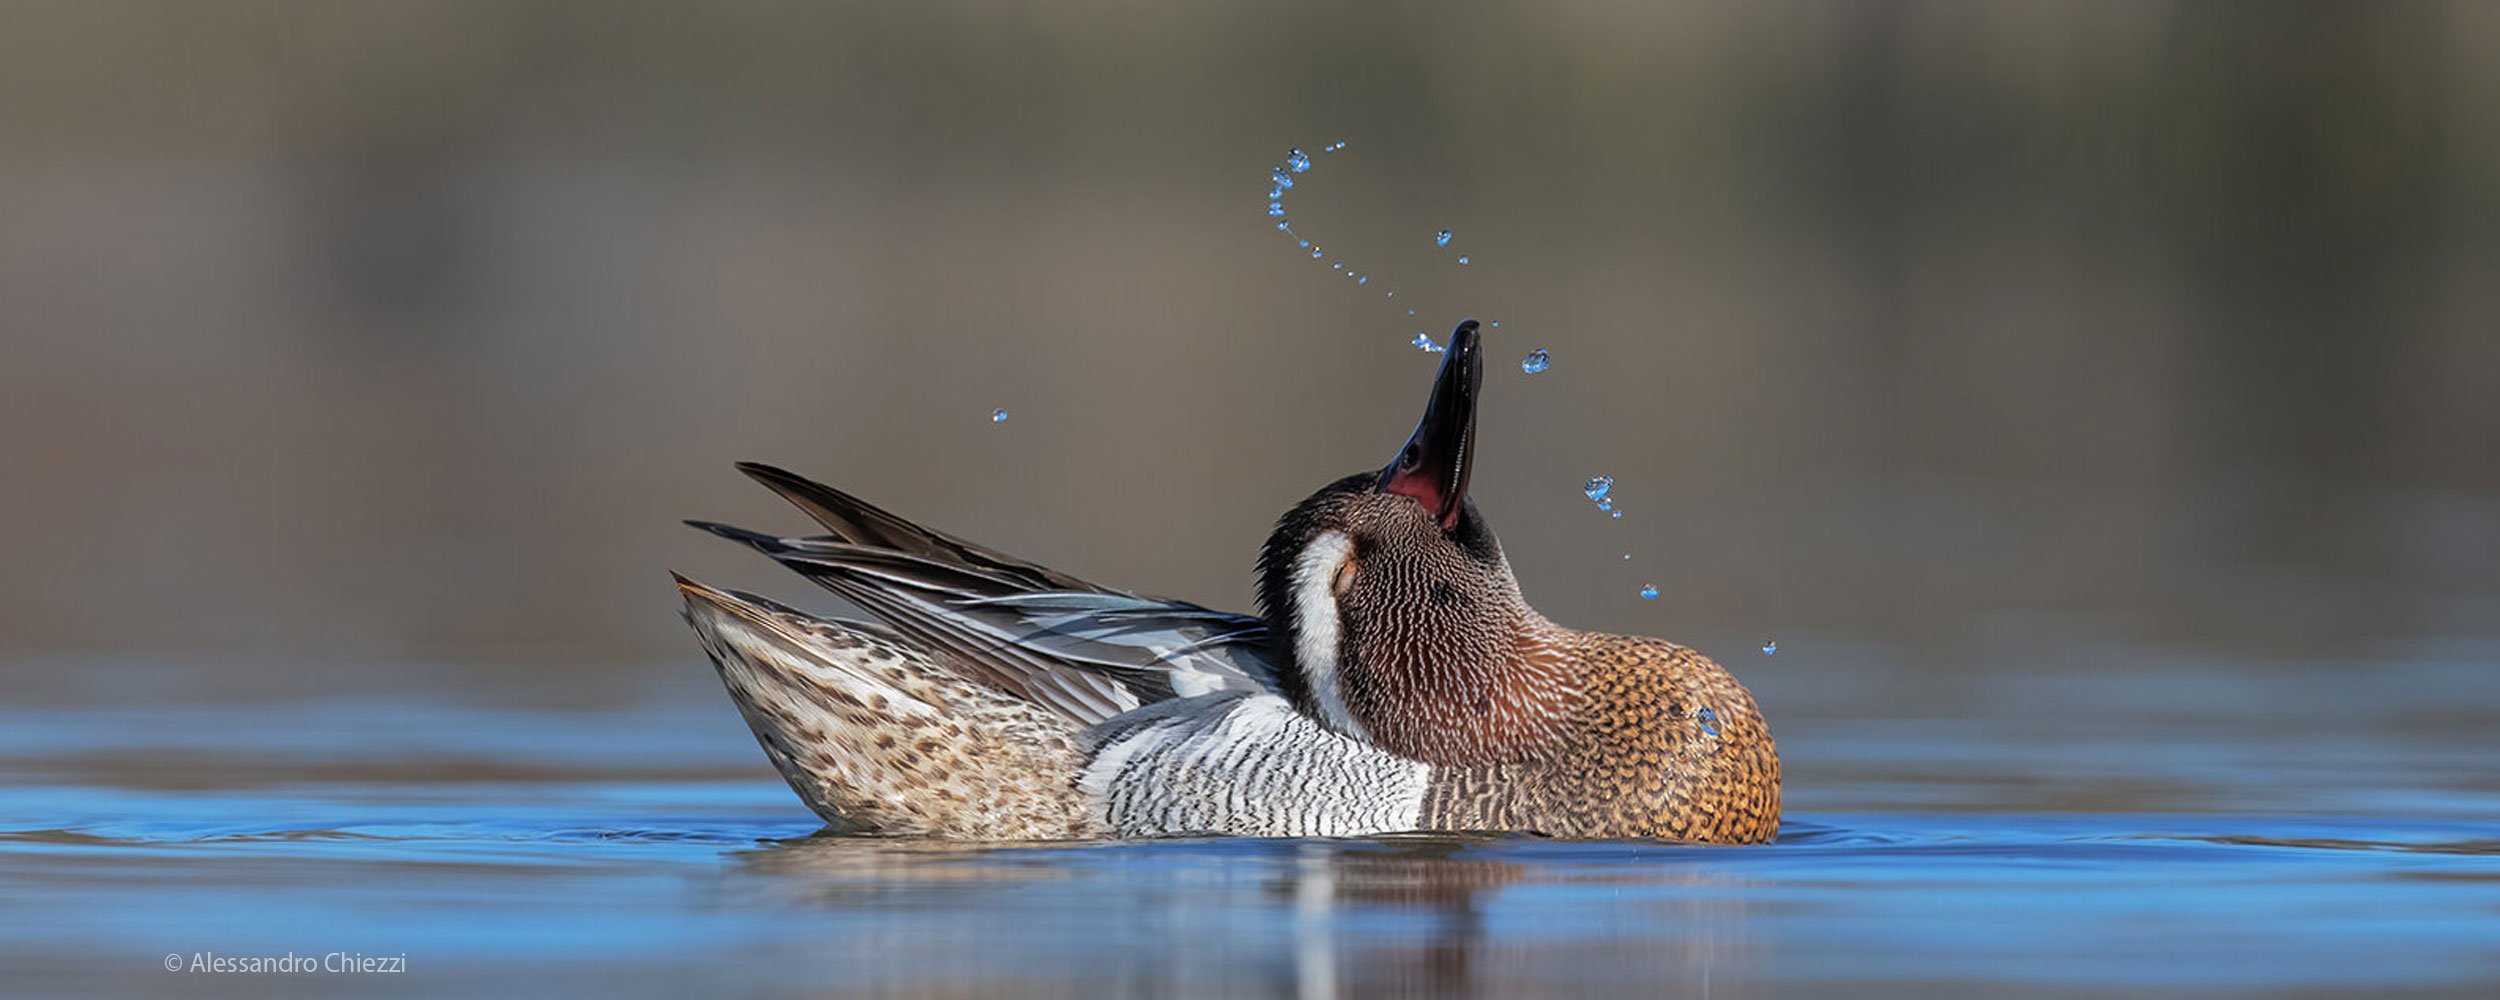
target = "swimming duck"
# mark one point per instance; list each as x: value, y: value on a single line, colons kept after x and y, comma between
x: 1396, y: 680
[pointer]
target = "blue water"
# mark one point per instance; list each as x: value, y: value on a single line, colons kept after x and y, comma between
x: 2158, y: 826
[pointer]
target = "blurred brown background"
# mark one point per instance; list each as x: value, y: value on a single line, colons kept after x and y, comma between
x: 342, y: 333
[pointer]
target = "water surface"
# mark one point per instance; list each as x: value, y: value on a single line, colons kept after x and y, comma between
x: 2152, y: 826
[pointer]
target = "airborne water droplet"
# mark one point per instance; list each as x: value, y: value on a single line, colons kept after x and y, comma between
x: 1770, y: 646
x: 1536, y: 362
x: 1276, y: 209
x: 1462, y: 260
x: 1649, y: 592
x: 1598, y: 487
x: 1284, y: 181
x: 998, y: 416
x: 1424, y: 342
x: 1298, y: 160
x: 1441, y: 239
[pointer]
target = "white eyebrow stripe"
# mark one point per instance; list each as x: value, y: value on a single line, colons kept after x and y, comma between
x: 1316, y: 632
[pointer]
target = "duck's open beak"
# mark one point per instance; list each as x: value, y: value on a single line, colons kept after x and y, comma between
x: 1433, y: 466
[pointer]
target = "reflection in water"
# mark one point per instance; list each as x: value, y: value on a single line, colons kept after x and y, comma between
x: 1314, y: 925
x: 1396, y: 916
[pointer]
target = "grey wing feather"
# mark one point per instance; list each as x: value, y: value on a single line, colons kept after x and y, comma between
x: 1045, y: 636
x: 1201, y: 649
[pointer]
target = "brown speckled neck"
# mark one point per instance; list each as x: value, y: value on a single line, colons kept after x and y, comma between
x: 1464, y: 697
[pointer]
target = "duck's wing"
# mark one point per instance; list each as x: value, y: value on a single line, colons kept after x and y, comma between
x: 1031, y: 631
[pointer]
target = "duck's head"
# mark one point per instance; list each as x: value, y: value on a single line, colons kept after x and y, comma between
x: 1395, y: 608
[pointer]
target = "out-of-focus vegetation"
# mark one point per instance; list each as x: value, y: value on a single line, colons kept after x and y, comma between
x: 410, y: 329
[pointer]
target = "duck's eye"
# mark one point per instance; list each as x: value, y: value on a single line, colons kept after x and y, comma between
x: 1344, y: 580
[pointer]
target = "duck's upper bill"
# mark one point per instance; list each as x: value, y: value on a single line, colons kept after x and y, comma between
x: 1433, y: 466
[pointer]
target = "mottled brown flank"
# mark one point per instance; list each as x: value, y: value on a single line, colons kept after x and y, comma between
x: 1633, y: 759
x: 879, y: 738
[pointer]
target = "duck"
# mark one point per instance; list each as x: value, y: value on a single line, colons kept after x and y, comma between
x: 1395, y: 680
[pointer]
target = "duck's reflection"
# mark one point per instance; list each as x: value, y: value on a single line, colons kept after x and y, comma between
x: 1420, y: 915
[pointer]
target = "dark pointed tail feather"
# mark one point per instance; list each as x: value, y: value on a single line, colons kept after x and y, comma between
x: 859, y: 522
x: 761, y: 542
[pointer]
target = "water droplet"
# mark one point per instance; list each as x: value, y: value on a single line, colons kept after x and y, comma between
x: 1441, y: 239
x: 1649, y: 592
x: 1627, y: 557
x: 1616, y: 514
x: 1496, y: 324
x: 1302, y: 243
x: 1462, y: 260
x: 998, y: 416
x: 1340, y: 145
x: 1362, y: 279
x: 1770, y: 646
x: 1709, y: 720
x: 1298, y: 160
x: 1598, y: 487
x: 1424, y: 342
x: 1410, y: 312
x: 1276, y: 209
x: 1536, y: 362
x: 1393, y: 293
x: 1315, y: 253
x: 1284, y: 227
x: 1606, y: 503
x: 1284, y: 181
x: 1336, y: 265
x: 1275, y: 193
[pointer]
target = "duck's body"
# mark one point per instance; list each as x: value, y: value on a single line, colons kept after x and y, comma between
x: 1397, y: 682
